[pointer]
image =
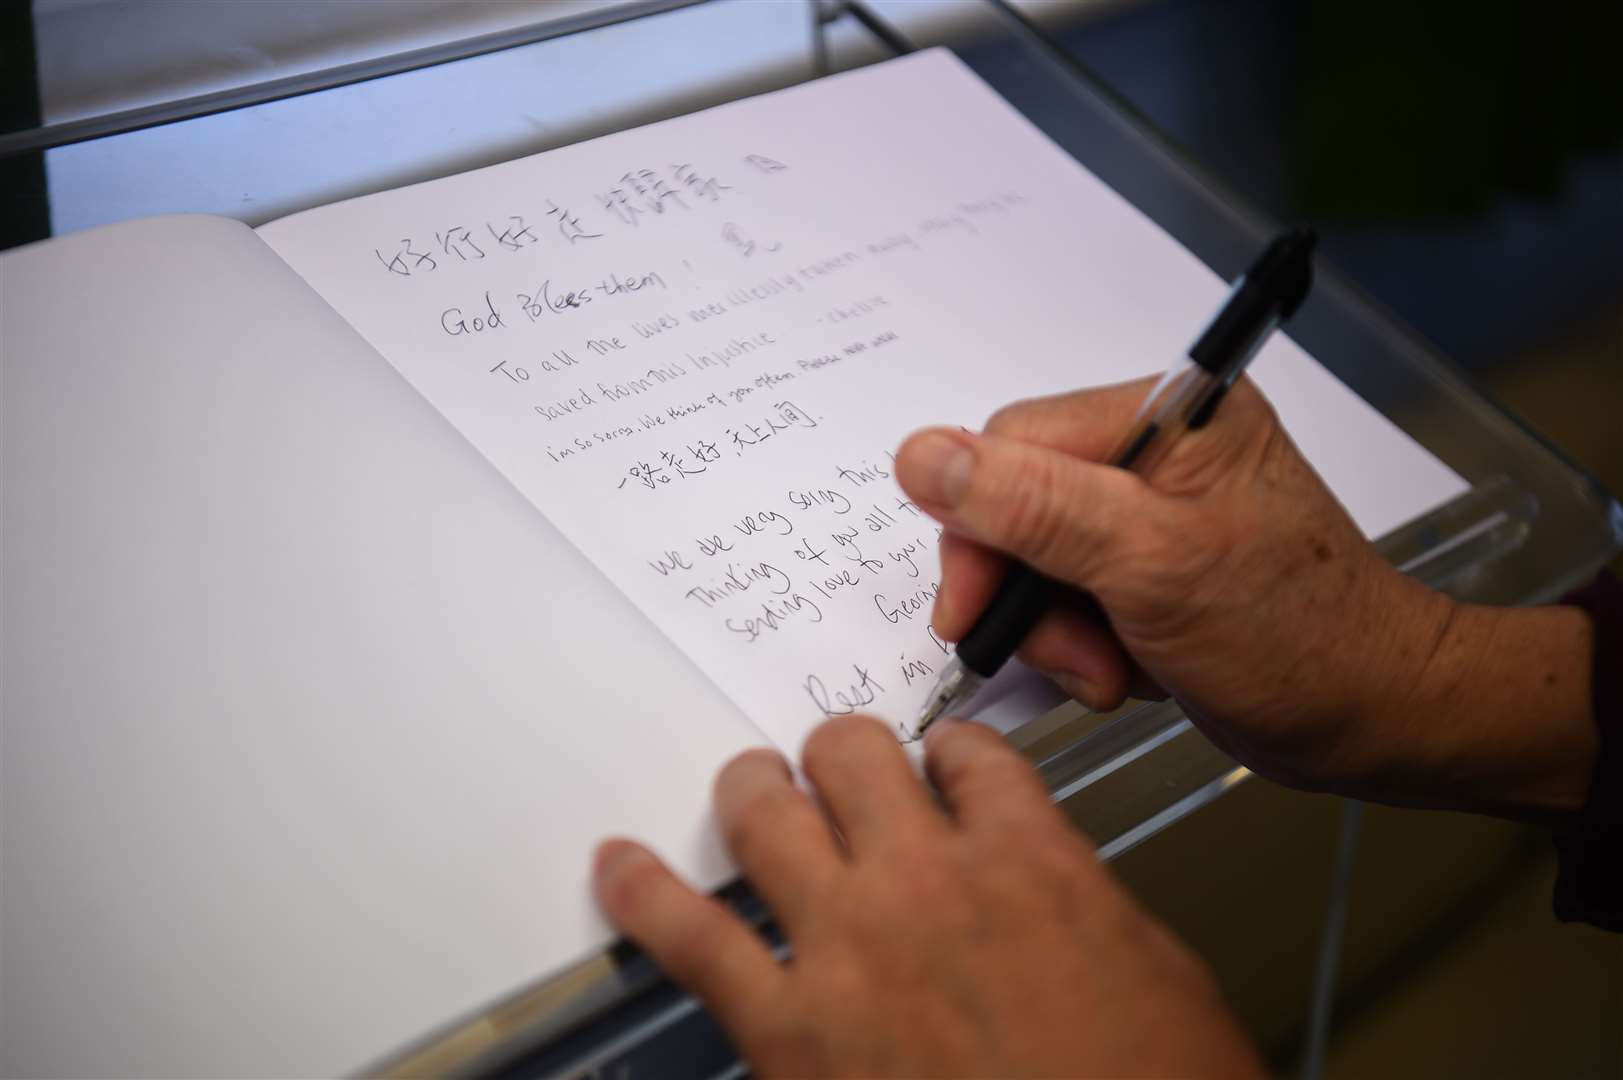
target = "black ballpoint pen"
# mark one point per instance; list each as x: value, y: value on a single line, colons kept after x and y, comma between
x: 1183, y: 399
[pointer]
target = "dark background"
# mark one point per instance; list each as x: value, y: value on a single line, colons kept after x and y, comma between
x: 1463, y: 163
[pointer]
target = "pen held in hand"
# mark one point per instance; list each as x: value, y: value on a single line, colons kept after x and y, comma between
x: 1184, y: 399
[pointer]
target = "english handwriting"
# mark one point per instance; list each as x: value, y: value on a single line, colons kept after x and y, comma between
x: 773, y: 615
x: 764, y: 521
x: 863, y: 690
x: 835, y: 543
x: 712, y: 545
x: 737, y: 579
x: 828, y: 497
x: 669, y: 562
x: 867, y: 473
x: 914, y: 669
x: 908, y: 607
x: 454, y: 323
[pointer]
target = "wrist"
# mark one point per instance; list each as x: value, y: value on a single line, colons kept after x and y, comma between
x: 1484, y: 709
x: 1385, y: 745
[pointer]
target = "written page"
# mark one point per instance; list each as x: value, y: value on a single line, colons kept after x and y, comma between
x: 694, y: 346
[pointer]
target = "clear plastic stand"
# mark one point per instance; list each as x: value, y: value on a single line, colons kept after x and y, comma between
x: 1531, y: 527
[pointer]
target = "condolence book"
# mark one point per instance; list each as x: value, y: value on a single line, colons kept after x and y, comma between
x: 363, y: 570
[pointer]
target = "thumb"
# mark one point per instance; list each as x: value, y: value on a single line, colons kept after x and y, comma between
x: 1062, y: 516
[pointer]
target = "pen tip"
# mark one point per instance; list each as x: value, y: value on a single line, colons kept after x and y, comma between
x: 927, y: 716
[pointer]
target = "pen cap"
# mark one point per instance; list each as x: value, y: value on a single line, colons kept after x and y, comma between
x: 1285, y: 270
x: 1269, y: 291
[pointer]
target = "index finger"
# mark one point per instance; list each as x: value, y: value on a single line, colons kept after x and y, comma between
x: 1083, y: 423
x: 777, y: 837
x: 984, y: 782
x: 1089, y: 424
x: 866, y: 784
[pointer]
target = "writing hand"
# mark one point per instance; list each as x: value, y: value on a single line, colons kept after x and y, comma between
x: 1235, y: 581
x: 977, y: 938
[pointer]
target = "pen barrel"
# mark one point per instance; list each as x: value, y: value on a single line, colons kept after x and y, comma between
x: 1026, y: 594
x: 1007, y: 620
x: 1185, y: 398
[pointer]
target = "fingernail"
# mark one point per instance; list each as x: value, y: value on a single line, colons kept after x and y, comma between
x: 614, y: 857
x: 939, y: 466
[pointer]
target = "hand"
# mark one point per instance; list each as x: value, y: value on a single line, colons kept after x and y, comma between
x: 983, y: 939
x: 1236, y: 582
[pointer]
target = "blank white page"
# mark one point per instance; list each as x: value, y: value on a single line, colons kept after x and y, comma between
x: 309, y: 720
x: 694, y: 345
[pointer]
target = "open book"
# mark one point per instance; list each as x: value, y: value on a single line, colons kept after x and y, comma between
x: 311, y: 719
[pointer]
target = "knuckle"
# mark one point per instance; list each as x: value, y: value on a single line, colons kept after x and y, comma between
x: 921, y: 875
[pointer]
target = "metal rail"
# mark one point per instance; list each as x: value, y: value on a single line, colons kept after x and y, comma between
x: 50, y: 136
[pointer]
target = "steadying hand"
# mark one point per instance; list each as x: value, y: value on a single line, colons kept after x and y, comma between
x: 978, y: 936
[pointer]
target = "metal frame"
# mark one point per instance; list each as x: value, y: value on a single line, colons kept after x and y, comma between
x: 50, y: 136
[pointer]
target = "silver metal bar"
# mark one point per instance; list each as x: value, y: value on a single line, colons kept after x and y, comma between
x: 1132, y: 754
x: 1176, y: 812
x: 50, y: 136
x: 1328, y: 968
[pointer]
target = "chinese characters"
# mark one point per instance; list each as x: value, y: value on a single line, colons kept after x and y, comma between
x: 697, y: 457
